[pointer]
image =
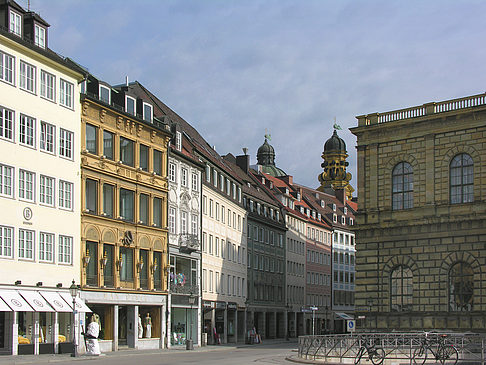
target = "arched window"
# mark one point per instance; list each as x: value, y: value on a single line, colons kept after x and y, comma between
x: 401, y: 289
x: 461, y: 179
x: 402, y: 182
x: 461, y: 287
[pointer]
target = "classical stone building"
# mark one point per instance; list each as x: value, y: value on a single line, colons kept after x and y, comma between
x: 421, y: 227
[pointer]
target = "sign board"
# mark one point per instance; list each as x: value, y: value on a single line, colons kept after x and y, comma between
x: 351, y: 325
x: 313, y: 308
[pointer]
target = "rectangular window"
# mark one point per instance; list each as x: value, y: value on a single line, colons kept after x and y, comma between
x: 217, y: 211
x: 184, y: 177
x: 27, y: 130
x: 6, y: 241
x: 46, y: 191
x: 222, y: 214
x: 26, y: 244
x: 105, y: 94
x: 108, y: 200
x: 7, y: 66
x: 47, y: 137
x: 92, y: 139
x: 194, y: 224
x: 204, y: 242
x: 40, y: 36
x: 147, y: 112
x: 26, y: 185
x: 216, y: 246
x: 46, y: 247
x: 48, y: 85
x: 15, y: 23
x: 143, y: 208
x: 127, y: 198
x: 157, y: 212
x: 144, y: 157
x: 27, y: 77
x: 208, y: 173
x: 129, y: 105
x: 210, y: 244
x: 158, y: 162
x: 6, y: 180
x: 172, y: 172
x: 195, y: 182
x: 91, y: 196
x: 65, y: 195
x: 126, y: 271
x: 66, y: 93
x: 65, y: 143
x: 126, y: 151
x: 178, y: 140
x: 172, y: 220
x: 183, y: 222
x: 65, y: 250
x: 108, y: 144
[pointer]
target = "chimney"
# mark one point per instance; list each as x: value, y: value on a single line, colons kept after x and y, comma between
x: 341, y: 195
x: 288, y: 179
x: 243, y: 161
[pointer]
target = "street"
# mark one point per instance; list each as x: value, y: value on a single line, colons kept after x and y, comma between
x: 212, y: 355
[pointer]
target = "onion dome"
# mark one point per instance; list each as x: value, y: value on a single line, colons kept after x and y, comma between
x: 335, y: 144
x: 266, y: 154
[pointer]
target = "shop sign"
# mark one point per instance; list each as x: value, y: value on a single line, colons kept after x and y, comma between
x: 208, y: 305
x: 220, y: 305
x: 232, y: 305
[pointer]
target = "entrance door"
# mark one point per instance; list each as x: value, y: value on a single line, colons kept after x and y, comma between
x: 122, y: 326
x: 2, y: 330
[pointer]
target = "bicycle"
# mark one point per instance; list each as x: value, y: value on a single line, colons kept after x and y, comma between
x: 375, y: 354
x: 445, y: 353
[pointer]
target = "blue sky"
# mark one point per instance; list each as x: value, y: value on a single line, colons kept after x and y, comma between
x: 235, y: 68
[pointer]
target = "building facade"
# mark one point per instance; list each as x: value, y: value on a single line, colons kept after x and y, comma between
x: 421, y: 223
x: 39, y: 187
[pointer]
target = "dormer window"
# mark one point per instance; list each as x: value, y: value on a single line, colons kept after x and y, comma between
x: 302, y: 209
x: 298, y: 196
x: 313, y: 214
x: 334, y: 207
x: 323, y: 204
x: 351, y: 222
x: 345, y: 210
x: 277, y: 215
x: 258, y: 208
x: 271, y: 213
x: 343, y: 220
x: 307, y: 211
x: 239, y: 194
x: 334, y: 218
x: 105, y: 95
x: 147, y: 112
x: 15, y: 23
x: 265, y: 210
x: 178, y: 141
x: 319, y: 216
x: 287, y: 191
x: 208, y: 173
x: 251, y: 205
x: 129, y: 105
x: 40, y: 36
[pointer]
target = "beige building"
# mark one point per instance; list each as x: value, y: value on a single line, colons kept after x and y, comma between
x: 421, y: 227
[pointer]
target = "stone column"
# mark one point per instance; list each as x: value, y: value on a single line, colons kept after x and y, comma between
x: 35, y: 332
x: 169, y: 320
x: 55, y: 330
x: 12, y: 333
x: 163, y: 329
x: 115, y: 328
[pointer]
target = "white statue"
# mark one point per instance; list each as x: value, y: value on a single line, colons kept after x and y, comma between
x: 140, y: 327
x: 148, y: 326
x: 91, y: 336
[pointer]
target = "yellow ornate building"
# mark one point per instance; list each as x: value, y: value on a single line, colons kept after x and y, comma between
x: 124, y: 216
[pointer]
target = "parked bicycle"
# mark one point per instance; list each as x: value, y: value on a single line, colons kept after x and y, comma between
x: 375, y: 354
x: 444, y: 352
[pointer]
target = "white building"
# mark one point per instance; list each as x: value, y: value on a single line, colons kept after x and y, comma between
x: 39, y: 186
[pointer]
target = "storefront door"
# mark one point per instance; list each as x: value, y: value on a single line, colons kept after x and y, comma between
x: 122, y: 326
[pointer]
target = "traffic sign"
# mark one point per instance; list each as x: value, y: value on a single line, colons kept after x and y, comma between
x: 351, y: 325
x: 313, y: 308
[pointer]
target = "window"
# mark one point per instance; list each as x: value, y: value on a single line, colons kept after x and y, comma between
x: 172, y: 172
x: 184, y: 177
x: 130, y: 105
x: 26, y: 185
x: 144, y: 157
x: 143, y: 209
x: 27, y: 77
x: 92, y: 139
x: 91, y: 196
x: 221, y: 182
x: 402, y: 180
x: 172, y: 220
x: 105, y: 94
x: 108, y: 143
x: 194, y: 224
x: 158, y: 162
x: 126, y: 151
x: 65, y: 143
x: 157, y: 212
x: 147, y: 112
x: 47, y: 137
x: 401, y: 289
x: 6, y: 241
x: 40, y: 36
x: 65, y: 250
x: 208, y: 173
x: 461, y: 287
x: 195, y: 182
x: 222, y: 214
x: 7, y: 65
x: 26, y: 244
x: 178, y: 140
x: 462, y: 179
x: 126, y: 271
x: 183, y: 222
x: 6, y: 180
x: 66, y: 92
x: 48, y: 85
x: 27, y: 130
x: 15, y: 23
x: 46, y: 247
x: 108, y: 200
x: 127, y: 198
x: 46, y: 193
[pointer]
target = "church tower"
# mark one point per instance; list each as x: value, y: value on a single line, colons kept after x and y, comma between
x: 334, y: 165
x: 266, y: 159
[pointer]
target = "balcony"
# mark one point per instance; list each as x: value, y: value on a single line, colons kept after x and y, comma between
x: 189, y: 243
x: 184, y: 289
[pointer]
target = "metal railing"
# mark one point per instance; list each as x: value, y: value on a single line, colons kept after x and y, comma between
x: 398, y: 346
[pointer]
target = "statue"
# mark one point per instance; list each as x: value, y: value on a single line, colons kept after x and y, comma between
x: 148, y: 326
x: 91, y: 336
x: 140, y: 327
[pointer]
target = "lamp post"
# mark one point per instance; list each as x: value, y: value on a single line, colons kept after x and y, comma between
x: 73, y: 289
x: 190, y: 343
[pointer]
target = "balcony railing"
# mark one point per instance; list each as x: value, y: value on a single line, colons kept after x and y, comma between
x: 189, y: 242
x: 186, y: 289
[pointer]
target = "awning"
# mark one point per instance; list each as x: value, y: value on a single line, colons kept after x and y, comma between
x: 56, y: 301
x: 4, y: 307
x: 80, y: 306
x: 36, y: 301
x: 344, y: 316
x: 15, y: 301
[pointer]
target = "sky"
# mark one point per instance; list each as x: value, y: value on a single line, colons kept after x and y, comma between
x: 236, y: 70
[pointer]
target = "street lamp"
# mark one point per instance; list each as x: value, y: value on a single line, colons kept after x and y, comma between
x: 190, y: 343
x: 73, y: 289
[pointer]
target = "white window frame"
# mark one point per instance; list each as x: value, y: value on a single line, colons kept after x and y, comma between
x: 27, y: 77
x: 7, y: 69
x: 194, y: 182
x: 66, y: 195
x: 7, y: 124
x: 178, y: 140
x: 65, y: 250
x: 40, y: 36
x: 26, y: 244
x: 134, y: 105
x: 6, y: 181
x: 184, y: 227
x: 26, y: 187
x: 172, y: 220
x: 46, y: 247
x: 172, y: 172
x: 15, y: 25
x: 66, y: 139
x: 194, y: 225
x: 109, y: 94
x: 184, y: 174
x: 47, y: 187
x: 150, y: 118
x: 6, y: 241
x: 66, y: 94
x: 47, y: 85
x: 27, y: 130
x: 47, y: 141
